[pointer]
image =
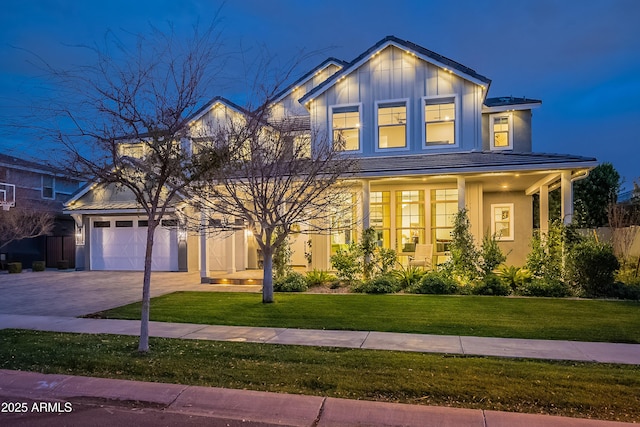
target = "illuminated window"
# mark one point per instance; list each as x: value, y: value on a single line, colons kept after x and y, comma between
x: 502, y: 221
x: 440, y: 122
x: 409, y: 220
x: 132, y: 150
x: 346, y: 128
x: 380, y: 217
x: 501, y: 135
x: 392, y: 125
x: 342, y: 220
x: 444, y: 206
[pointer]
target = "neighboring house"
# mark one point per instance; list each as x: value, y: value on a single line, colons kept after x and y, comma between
x: 429, y: 140
x: 41, y: 188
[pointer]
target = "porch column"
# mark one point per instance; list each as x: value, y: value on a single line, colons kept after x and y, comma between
x: 204, y: 247
x: 462, y: 185
x: 566, y: 198
x: 544, y: 209
x: 366, y: 198
x: 230, y: 249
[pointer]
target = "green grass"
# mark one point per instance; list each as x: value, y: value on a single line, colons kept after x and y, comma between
x: 602, y: 391
x: 533, y: 318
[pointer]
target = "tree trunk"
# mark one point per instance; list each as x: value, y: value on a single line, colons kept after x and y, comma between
x: 267, y: 278
x: 143, y: 346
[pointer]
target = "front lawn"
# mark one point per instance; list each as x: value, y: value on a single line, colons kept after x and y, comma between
x: 586, y: 390
x: 533, y: 318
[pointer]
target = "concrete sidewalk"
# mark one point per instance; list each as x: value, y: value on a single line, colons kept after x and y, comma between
x: 500, y: 347
x: 256, y: 408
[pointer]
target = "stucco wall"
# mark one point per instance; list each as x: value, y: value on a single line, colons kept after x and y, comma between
x: 517, y: 249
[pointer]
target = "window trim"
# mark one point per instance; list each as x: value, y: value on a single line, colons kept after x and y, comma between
x: 511, y: 236
x: 53, y: 187
x: 358, y: 106
x: 456, y: 125
x: 492, y: 118
x: 389, y: 102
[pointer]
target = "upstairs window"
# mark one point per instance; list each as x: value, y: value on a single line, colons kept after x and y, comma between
x: 501, y: 134
x: 440, y: 122
x: 392, y: 125
x: 135, y: 150
x: 48, y: 187
x: 346, y: 128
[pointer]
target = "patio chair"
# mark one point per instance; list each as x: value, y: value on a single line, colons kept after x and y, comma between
x: 422, y: 256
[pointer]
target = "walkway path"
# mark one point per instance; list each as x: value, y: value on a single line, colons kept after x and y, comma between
x: 501, y: 347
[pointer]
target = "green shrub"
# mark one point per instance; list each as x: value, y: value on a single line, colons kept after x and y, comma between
x: 293, y: 282
x: 319, y: 277
x: 347, y: 263
x: 630, y: 291
x: 38, y: 266
x: 383, y: 284
x: 435, y: 282
x: 545, y: 258
x: 491, y: 285
x: 408, y: 276
x: 465, y: 257
x: 543, y: 288
x: 491, y: 256
x: 14, y: 267
x: 514, y: 277
x: 591, y: 266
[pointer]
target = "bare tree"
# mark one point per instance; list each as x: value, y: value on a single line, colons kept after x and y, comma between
x: 123, y: 120
x: 275, y: 178
x: 18, y: 224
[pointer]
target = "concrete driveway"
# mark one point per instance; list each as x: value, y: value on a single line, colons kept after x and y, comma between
x: 75, y: 293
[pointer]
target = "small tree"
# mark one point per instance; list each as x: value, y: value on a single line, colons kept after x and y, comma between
x: 17, y: 224
x: 121, y: 121
x: 491, y: 256
x: 545, y: 260
x: 274, y: 180
x: 464, y: 254
x: 594, y: 194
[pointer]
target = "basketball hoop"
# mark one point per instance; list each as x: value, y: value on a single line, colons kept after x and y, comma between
x: 5, y: 205
x: 7, y: 196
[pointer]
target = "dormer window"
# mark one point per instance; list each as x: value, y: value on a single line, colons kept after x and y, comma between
x: 346, y: 127
x: 501, y: 132
x: 439, y: 122
x: 392, y: 125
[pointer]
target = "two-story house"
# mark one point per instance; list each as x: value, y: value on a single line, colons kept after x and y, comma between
x: 429, y: 142
x: 34, y: 186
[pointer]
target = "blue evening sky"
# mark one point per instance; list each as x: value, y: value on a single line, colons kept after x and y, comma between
x: 581, y: 58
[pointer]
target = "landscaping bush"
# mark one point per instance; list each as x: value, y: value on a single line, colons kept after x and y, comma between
x: 491, y: 285
x: 14, y: 267
x: 408, y: 276
x: 63, y: 264
x: 347, y: 263
x: 514, y: 277
x: 383, y: 284
x: 293, y: 282
x: 592, y: 266
x: 435, y: 283
x: 491, y: 256
x: 630, y: 291
x: 38, y: 266
x: 543, y: 288
x: 319, y: 277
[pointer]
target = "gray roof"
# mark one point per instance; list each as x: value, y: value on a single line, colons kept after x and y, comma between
x: 468, y: 162
x: 509, y: 100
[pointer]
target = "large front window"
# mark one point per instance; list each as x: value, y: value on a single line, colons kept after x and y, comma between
x: 380, y: 217
x: 409, y: 220
x: 346, y: 128
x: 440, y: 120
x: 342, y: 220
x: 392, y: 125
x: 444, y: 206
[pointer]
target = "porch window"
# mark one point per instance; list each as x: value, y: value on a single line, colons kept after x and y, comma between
x: 346, y: 128
x: 440, y: 121
x: 409, y: 220
x: 392, y: 125
x: 502, y: 221
x: 501, y: 134
x: 380, y: 216
x: 444, y: 206
x: 342, y: 220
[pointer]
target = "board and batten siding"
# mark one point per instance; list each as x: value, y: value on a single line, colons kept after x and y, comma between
x: 394, y: 74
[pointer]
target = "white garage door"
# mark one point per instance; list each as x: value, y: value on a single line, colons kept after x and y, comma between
x: 119, y: 244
